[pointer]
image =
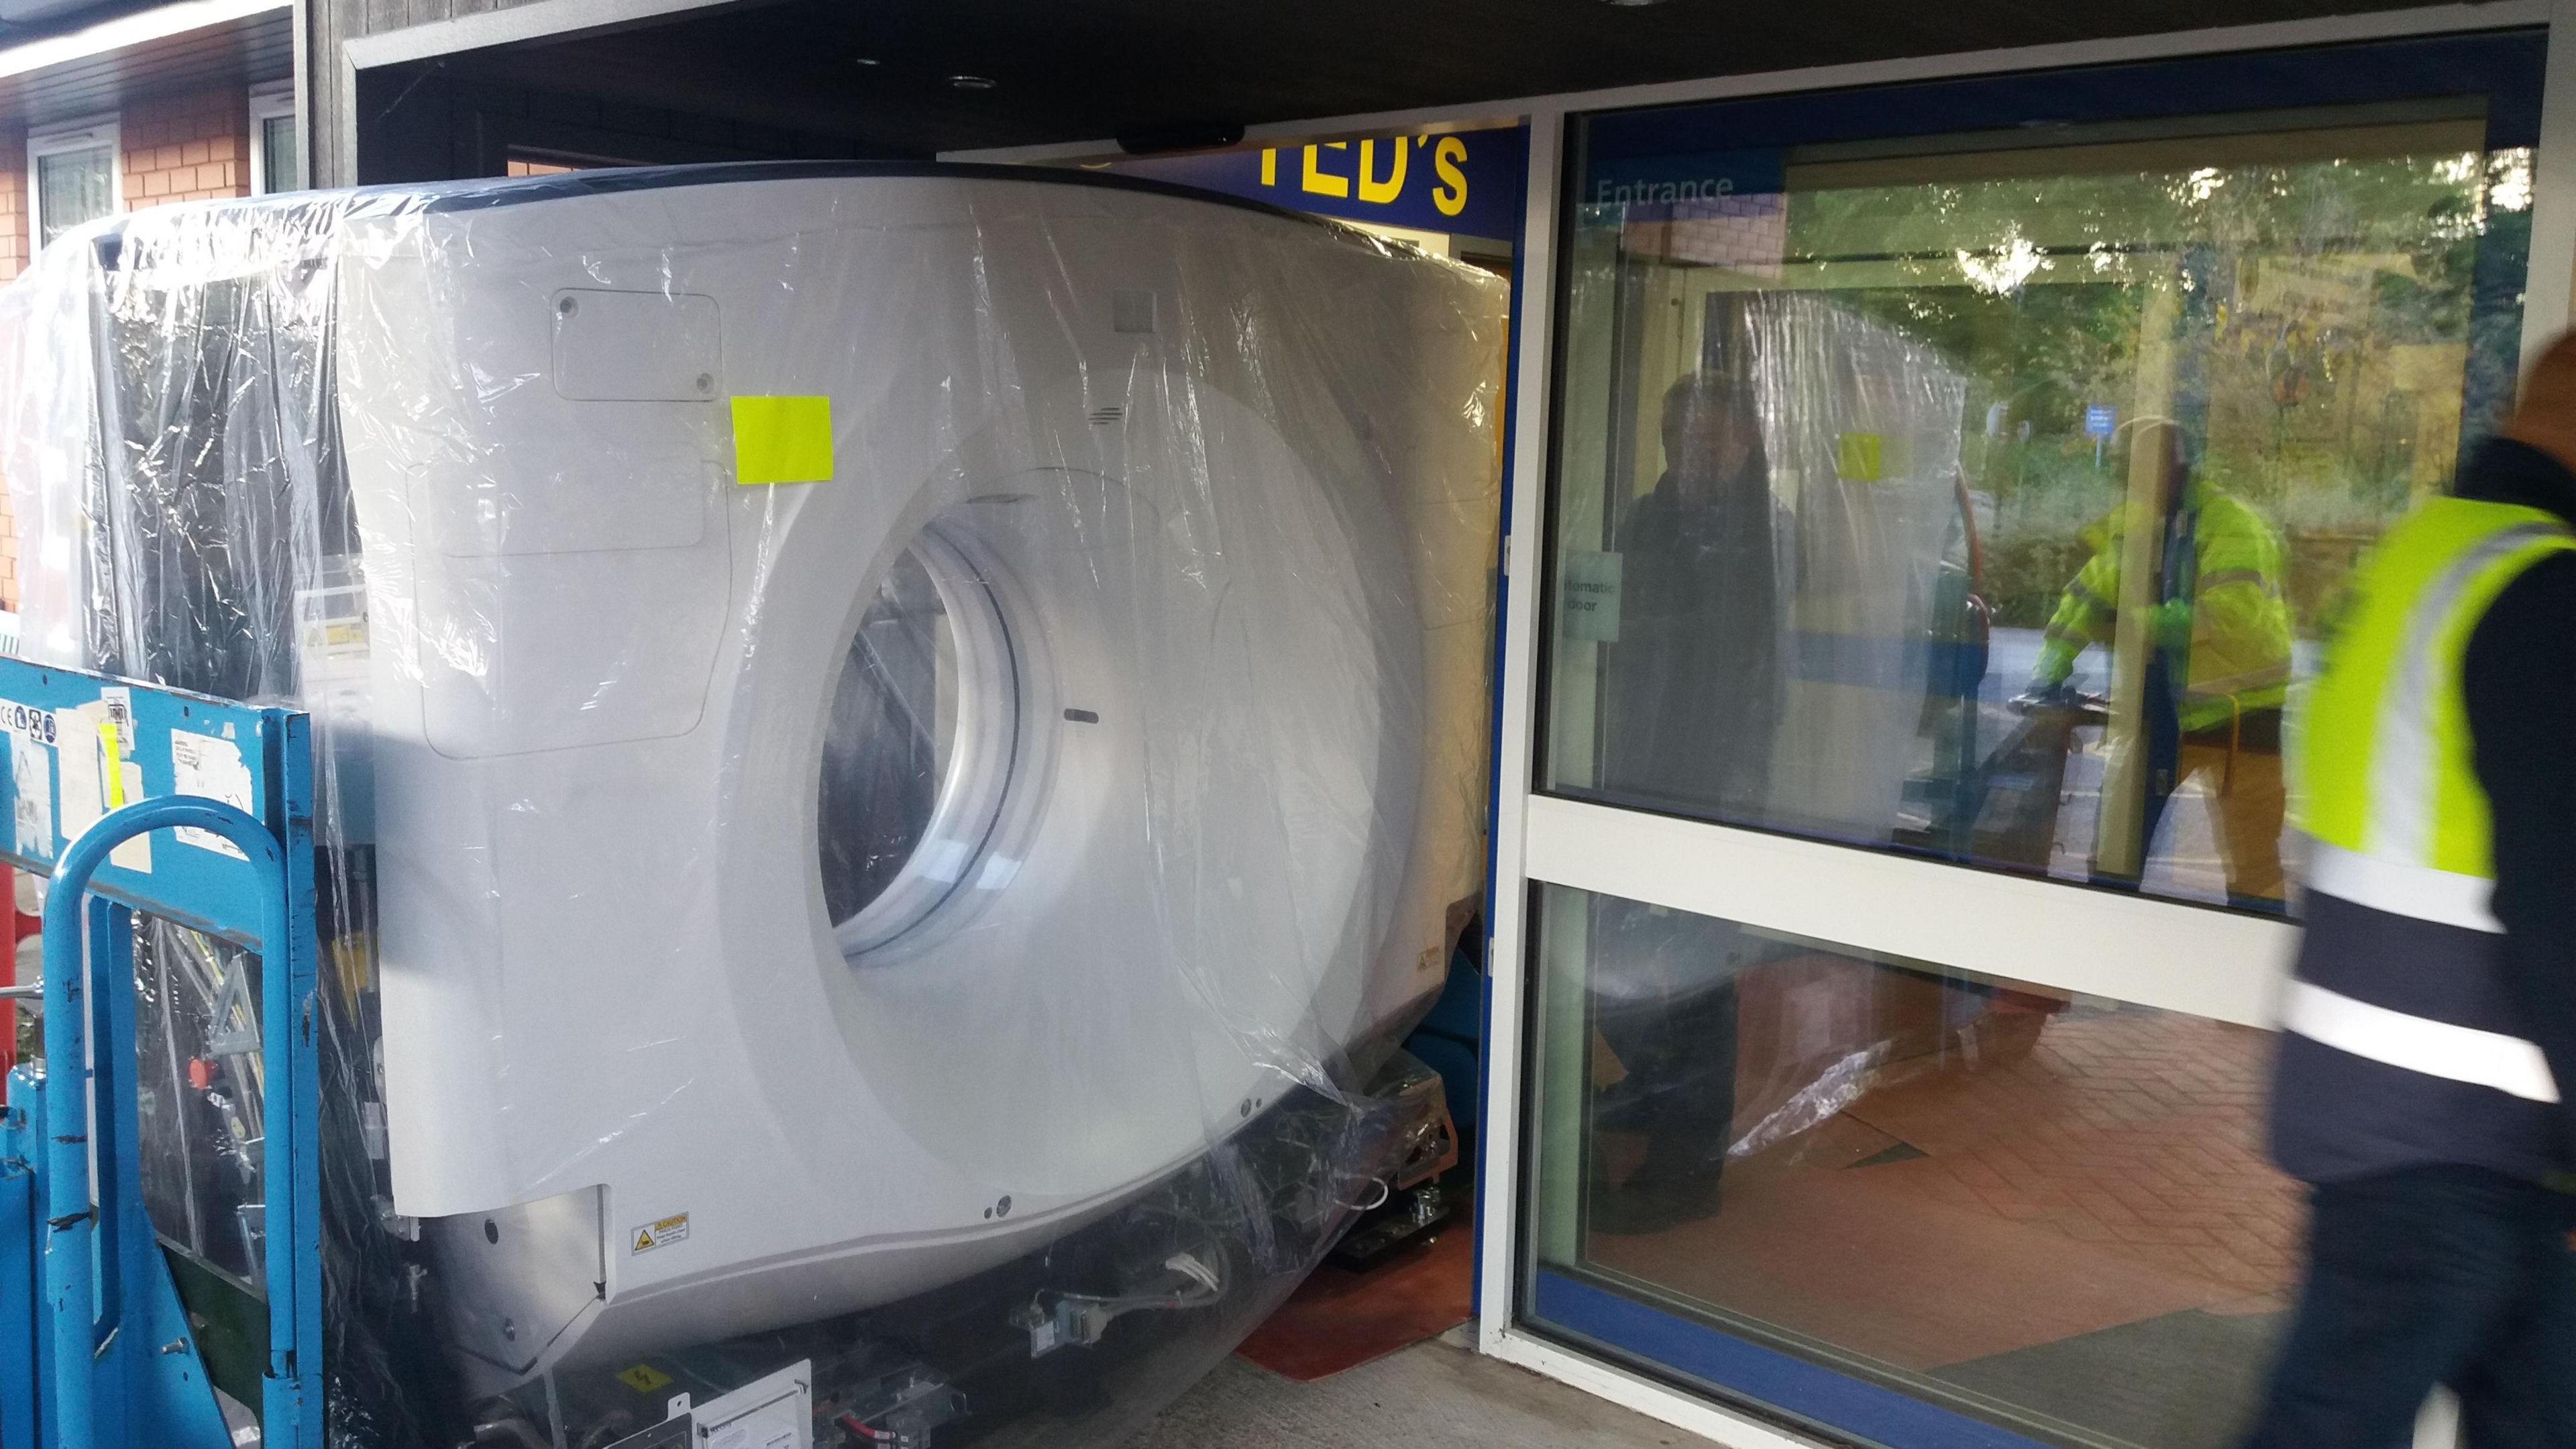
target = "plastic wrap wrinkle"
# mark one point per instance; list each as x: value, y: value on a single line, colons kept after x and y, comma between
x: 895, y: 750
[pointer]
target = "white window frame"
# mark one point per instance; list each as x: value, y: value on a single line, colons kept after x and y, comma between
x: 2159, y: 953
x: 54, y: 140
x: 270, y: 102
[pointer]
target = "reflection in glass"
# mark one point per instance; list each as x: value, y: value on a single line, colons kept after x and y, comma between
x: 73, y: 187
x: 279, y: 153
x: 1989, y: 501
x: 1695, y: 695
x: 2041, y: 1211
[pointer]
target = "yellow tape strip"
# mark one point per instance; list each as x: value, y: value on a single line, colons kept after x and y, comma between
x: 115, y: 764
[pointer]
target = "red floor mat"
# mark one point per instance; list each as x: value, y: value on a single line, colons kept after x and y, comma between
x: 1339, y: 1319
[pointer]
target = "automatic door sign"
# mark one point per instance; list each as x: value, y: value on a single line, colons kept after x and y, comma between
x: 1591, y: 597
x: 660, y: 1233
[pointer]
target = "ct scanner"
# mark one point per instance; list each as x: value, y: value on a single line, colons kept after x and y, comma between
x: 795, y: 895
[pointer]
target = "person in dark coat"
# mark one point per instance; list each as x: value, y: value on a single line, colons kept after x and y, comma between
x: 1691, y: 706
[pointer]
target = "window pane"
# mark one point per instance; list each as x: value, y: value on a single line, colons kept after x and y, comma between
x: 73, y: 187
x: 1986, y: 500
x: 2043, y: 1212
x: 278, y: 158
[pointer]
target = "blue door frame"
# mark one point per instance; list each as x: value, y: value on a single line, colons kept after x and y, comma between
x: 96, y: 1351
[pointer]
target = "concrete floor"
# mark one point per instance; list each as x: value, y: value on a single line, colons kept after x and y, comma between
x: 1435, y: 1395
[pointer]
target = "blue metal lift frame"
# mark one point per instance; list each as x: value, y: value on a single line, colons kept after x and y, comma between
x: 95, y: 1349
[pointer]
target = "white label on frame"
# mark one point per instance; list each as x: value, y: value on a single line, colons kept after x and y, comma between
x: 211, y: 767
x: 31, y: 775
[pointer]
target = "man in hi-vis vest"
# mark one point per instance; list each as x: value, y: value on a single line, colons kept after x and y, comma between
x: 2432, y: 1017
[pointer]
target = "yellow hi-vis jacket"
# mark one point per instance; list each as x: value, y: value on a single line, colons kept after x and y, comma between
x: 2402, y: 1042
x: 2238, y: 622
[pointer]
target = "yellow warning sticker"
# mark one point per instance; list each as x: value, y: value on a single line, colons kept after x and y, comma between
x: 658, y: 1234
x: 782, y: 440
x: 643, y: 1378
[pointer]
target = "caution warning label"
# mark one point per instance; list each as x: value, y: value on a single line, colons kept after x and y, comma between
x: 658, y: 1234
x: 643, y: 1378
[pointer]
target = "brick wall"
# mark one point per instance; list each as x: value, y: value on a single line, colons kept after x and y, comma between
x: 191, y: 147
x: 13, y: 203
x: 188, y: 147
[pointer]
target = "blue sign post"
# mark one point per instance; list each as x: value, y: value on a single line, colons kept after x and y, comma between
x: 2101, y: 420
x: 1465, y: 183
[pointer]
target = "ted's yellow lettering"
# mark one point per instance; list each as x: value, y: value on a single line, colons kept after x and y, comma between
x: 1372, y: 190
x: 1270, y: 168
x: 1451, y: 194
x: 1322, y: 182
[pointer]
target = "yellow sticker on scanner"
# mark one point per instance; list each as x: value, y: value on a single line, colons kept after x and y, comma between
x: 782, y: 440
x: 1860, y: 457
x: 643, y: 1378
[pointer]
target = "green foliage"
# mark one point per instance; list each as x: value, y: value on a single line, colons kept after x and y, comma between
x: 2293, y: 288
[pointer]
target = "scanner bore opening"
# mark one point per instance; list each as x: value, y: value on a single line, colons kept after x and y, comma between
x: 920, y: 744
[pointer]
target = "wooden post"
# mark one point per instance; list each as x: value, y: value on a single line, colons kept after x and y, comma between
x: 2153, y: 475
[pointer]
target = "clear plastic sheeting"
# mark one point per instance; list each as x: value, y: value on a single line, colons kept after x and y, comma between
x: 1780, y: 579
x: 1863, y: 425
x: 898, y: 745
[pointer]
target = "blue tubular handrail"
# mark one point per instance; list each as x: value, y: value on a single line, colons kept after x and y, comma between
x: 84, y: 1257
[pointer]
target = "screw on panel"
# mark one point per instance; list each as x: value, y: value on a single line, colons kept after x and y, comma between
x: 566, y: 307
x: 706, y: 382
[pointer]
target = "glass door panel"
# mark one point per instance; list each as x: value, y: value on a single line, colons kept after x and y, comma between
x: 1969, y: 473
x: 1987, y: 500
x: 2046, y: 1213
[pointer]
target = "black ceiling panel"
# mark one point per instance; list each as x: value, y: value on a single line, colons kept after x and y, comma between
x: 1104, y: 68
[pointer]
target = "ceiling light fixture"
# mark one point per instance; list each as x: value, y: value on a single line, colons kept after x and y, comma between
x: 869, y: 60
x: 971, y: 82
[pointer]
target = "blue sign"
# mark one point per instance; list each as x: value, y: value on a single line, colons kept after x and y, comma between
x: 1666, y: 180
x: 2101, y: 420
x: 1467, y: 183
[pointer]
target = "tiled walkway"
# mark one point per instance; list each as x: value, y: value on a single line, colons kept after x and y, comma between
x: 2137, y: 1131
x: 2038, y: 1229
x: 1436, y: 1395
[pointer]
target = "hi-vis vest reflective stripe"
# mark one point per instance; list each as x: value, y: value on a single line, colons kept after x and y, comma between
x: 2401, y: 827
